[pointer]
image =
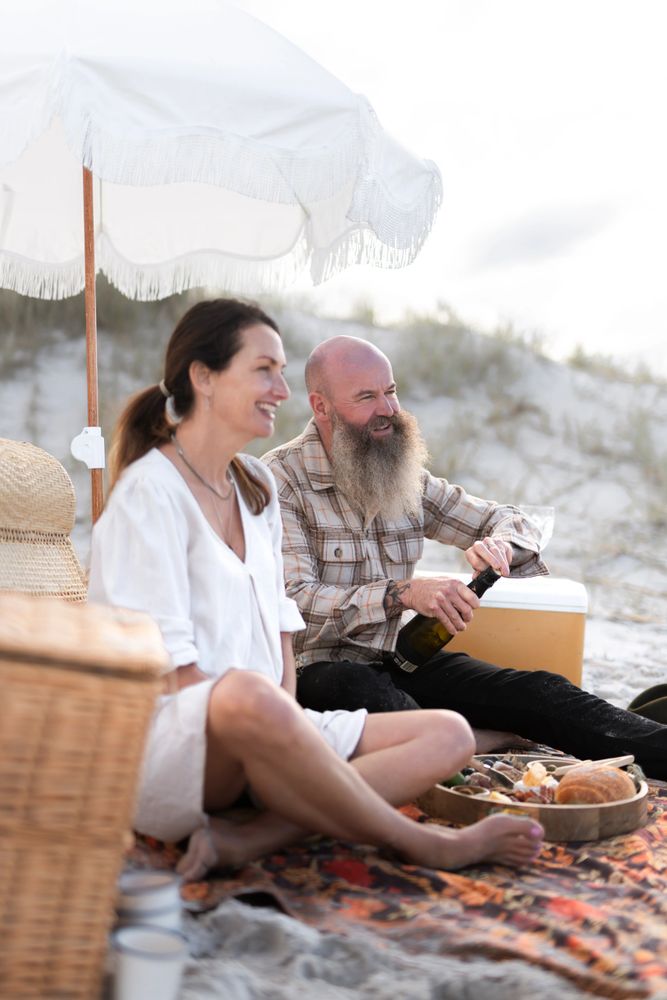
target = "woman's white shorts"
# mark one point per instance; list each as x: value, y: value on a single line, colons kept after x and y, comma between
x: 171, y: 790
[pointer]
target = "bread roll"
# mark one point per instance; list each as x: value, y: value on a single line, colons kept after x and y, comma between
x: 593, y: 785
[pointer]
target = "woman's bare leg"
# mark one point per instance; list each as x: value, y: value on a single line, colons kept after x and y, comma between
x: 385, y: 758
x: 402, y: 754
x: 255, y: 726
x: 441, y: 741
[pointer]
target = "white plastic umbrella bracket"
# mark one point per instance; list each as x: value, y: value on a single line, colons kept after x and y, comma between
x: 88, y: 447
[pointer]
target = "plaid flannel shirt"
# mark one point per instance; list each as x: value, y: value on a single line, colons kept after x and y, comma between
x: 338, y: 569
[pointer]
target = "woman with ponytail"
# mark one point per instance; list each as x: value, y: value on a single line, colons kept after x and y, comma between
x: 191, y: 535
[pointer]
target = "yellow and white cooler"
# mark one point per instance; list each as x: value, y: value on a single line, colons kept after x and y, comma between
x: 534, y: 623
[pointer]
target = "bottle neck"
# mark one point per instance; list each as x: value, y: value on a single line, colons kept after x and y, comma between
x: 486, y: 579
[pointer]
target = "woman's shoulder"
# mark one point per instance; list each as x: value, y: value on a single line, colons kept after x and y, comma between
x: 151, y: 477
x: 151, y: 467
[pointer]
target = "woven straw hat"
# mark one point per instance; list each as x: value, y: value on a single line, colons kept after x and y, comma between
x: 37, y: 510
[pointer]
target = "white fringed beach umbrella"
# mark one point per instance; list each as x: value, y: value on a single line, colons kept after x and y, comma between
x: 214, y: 153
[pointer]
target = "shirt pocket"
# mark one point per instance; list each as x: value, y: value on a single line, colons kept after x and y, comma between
x: 341, y: 561
x: 404, y: 550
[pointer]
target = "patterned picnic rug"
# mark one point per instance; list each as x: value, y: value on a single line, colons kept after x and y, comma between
x: 594, y: 913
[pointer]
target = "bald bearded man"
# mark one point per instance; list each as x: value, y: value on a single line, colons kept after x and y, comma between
x: 357, y: 503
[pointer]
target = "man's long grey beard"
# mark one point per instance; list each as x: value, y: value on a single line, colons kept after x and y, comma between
x: 379, y: 475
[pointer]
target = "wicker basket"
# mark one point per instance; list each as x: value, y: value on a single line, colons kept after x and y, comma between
x: 78, y: 684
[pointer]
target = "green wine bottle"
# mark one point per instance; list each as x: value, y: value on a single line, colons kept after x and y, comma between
x: 422, y: 637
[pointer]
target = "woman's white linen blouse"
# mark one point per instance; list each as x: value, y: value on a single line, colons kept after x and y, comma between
x: 153, y: 550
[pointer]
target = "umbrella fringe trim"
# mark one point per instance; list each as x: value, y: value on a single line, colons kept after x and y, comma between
x: 381, y: 234
x: 173, y: 277
x: 242, y: 165
x: 201, y: 270
x: 39, y: 280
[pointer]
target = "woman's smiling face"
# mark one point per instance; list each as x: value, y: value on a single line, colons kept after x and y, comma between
x: 247, y: 394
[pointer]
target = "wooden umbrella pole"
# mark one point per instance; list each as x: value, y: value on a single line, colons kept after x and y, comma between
x: 96, y: 482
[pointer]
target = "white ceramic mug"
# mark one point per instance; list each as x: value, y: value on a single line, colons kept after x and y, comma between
x: 148, y: 962
x: 149, y: 897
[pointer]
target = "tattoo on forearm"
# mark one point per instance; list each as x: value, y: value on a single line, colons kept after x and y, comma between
x: 392, y: 598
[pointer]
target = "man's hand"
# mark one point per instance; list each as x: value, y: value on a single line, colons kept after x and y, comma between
x: 448, y: 600
x: 490, y: 552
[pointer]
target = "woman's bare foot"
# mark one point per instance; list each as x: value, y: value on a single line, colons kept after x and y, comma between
x: 488, y: 740
x: 226, y: 844
x: 202, y: 855
x: 503, y: 839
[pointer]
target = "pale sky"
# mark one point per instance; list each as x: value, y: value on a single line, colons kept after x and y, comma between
x: 547, y: 121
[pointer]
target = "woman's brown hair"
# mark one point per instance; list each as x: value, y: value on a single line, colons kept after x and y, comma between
x: 209, y: 332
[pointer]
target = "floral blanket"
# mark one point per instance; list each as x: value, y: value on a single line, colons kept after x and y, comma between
x: 594, y: 913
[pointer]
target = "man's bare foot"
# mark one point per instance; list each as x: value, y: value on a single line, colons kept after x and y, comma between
x: 488, y: 740
x: 502, y: 839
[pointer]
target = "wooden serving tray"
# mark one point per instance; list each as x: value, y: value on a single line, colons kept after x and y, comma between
x: 560, y: 822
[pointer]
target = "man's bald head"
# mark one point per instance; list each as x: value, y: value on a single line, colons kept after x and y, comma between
x: 351, y: 380
x: 337, y: 360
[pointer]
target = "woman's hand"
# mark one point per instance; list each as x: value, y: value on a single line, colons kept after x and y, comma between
x: 183, y: 677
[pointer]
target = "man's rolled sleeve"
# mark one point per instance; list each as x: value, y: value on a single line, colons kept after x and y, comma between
x: 454, y: 517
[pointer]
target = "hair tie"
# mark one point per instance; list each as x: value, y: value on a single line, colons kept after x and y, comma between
x: 170, y: 410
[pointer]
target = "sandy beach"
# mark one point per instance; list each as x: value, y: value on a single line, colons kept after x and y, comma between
x: 241, y: 953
